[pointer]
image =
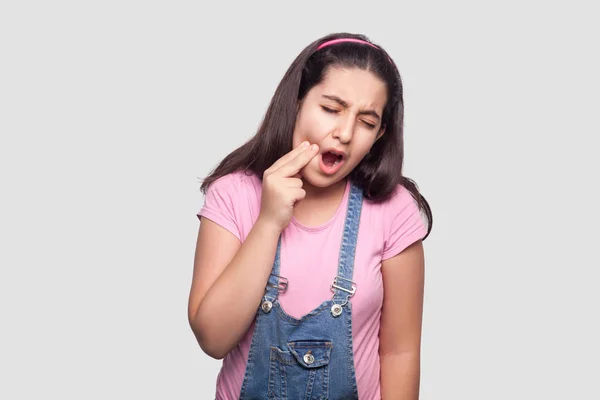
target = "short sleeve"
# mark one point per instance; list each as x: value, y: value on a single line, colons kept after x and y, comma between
x: 404, y: 224
x: 222, y: 197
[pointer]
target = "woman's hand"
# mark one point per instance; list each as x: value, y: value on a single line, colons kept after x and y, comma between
x: 282, y: 186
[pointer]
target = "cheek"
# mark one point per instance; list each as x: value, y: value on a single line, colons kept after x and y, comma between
x: 296, y: 140
x: 312, y: 126
x: 364, y: 146
x: 360, y: 151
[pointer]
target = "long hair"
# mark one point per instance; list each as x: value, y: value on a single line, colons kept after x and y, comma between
x: 380, y: 171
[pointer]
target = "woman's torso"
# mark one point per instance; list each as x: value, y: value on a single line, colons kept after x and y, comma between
x: 309, y: 260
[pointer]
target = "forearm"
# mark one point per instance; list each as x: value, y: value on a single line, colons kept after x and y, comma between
x: 400, y: 376
x: 229, y: 306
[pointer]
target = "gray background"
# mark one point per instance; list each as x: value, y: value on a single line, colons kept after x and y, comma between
x: 110, y: 111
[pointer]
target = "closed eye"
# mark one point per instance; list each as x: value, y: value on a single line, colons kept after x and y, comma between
x: 369, y: 124
x: 332, y: 111
x: 329, y: 110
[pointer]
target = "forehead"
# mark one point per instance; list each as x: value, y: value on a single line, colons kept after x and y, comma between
x: 355, y: 86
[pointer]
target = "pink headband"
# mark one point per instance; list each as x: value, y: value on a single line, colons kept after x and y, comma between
x: 351, y: 40
x: 341, y: 40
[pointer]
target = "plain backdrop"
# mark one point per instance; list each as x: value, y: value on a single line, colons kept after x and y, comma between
x: 111, y: 111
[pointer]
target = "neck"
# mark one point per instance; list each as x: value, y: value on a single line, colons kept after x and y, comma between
x: 334, y: 191
x: 320, y: 203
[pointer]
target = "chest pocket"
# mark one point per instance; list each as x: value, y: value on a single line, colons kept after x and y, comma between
x: 300, y: 373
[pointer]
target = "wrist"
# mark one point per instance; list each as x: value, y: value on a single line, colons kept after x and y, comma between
x: 267, y: 227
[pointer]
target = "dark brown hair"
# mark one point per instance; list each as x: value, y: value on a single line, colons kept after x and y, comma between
x: 380, y: 171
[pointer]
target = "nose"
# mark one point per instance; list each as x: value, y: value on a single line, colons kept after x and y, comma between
x: 345, y: 130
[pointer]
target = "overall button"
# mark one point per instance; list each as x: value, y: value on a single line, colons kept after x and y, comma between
x: 336, y: 310
x: 309, y: 358
x: 266, y: 306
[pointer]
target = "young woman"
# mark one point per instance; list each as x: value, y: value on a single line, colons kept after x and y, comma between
x: 308, y: 273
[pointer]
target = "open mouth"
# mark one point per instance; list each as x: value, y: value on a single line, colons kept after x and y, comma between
x: 331, y: 162
x: 331, y: 159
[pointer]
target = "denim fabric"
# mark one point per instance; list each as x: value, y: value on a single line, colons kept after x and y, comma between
x: 311, y: 357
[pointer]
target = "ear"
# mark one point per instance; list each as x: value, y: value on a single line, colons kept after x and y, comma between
x: 381, y: 132
x: 299, y: 106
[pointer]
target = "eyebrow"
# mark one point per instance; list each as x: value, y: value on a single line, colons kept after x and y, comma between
x: 342, y: 103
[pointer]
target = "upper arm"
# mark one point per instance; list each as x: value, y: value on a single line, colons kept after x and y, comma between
x: 401, y: 316
x: 215, y: 248
x: 219, y: 236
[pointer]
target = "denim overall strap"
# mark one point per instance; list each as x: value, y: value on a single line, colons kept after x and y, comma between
x: 343, y: 286
x: 275, y: 284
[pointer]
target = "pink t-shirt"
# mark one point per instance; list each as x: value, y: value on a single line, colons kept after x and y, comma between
x: 309, y: 260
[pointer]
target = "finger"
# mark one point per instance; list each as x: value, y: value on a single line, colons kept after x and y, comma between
x: 289, y: 156
x: 298, y: 195
x: 300, y: 161
x: 293, y: 182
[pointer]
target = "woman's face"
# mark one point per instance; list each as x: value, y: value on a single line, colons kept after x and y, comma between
x: 342, y: 115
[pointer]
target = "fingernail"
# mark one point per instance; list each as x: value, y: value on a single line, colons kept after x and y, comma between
x: 304, y: 144
x: 314, y: 147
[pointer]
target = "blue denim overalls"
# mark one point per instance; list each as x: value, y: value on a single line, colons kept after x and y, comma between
x: 311, y: 357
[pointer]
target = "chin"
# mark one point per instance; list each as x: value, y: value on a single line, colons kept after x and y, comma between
x: 319, y: 180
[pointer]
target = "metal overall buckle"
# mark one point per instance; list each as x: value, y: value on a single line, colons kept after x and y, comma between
x: 282, y: 285
x: 336, y: 309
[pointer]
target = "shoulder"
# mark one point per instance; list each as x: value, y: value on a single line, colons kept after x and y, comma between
x: 235, y: 180
x: 401, y: 208
x: 401, y: 221
x: 236, y: 185
x: 233, y: 201
x: 395, y: 211
x: 400, y: 199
